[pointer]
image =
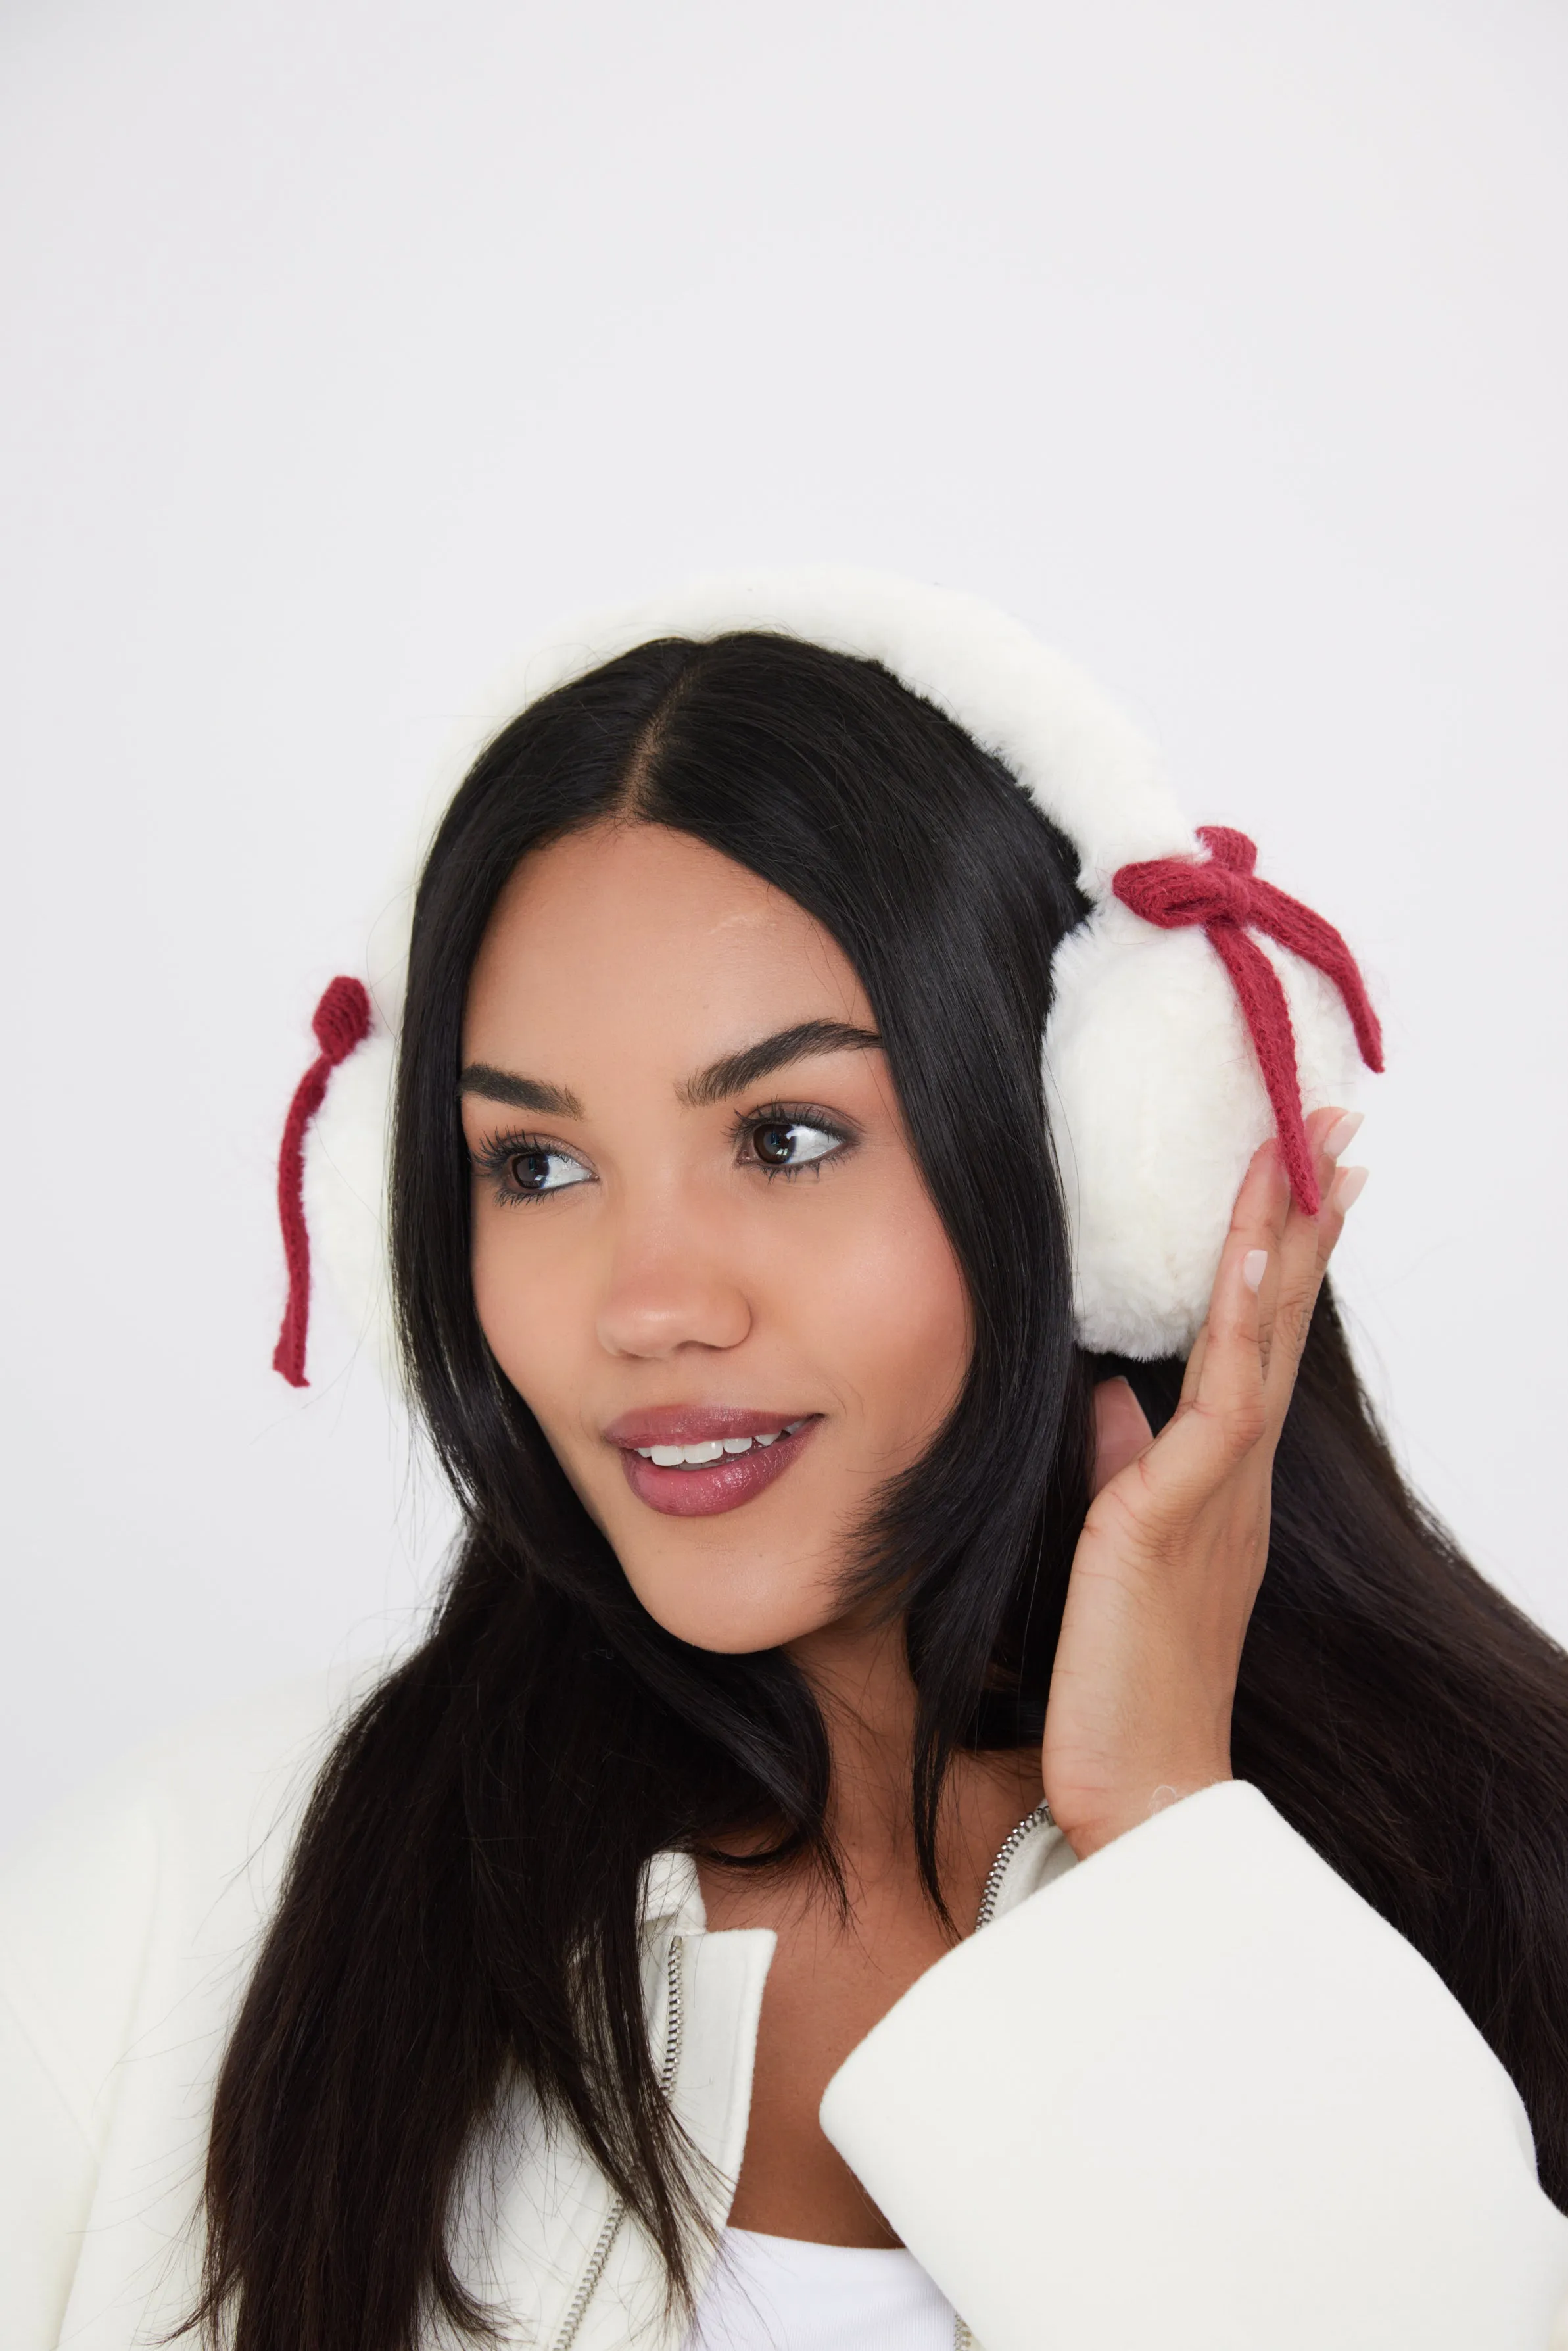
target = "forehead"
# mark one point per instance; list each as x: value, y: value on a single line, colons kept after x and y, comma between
x: 628, y: 928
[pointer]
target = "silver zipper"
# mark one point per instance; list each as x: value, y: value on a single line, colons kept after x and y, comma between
x: 1041, y: 1816
x: 674, y: 2032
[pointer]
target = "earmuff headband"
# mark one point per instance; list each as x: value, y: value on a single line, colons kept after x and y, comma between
x: 1196, y: 1009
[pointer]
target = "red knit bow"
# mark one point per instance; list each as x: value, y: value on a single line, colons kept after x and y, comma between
x: 1225, y: 896
x: 341, y: 1021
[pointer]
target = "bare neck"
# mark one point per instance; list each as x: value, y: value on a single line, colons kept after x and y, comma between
x: 859, y: 1675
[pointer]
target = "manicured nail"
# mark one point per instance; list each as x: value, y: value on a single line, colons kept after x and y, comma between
x: 1254, y: 1265
x: 1343, y: 1133
x: 1348, y: 1188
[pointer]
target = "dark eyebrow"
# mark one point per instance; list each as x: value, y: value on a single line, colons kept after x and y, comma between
x: 518, y: 1093
x: 731, y: 1075
x: 736, y: 1072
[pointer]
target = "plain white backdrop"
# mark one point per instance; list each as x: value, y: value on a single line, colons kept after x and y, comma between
x: 352, y: 345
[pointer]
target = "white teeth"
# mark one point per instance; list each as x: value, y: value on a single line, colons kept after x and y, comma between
x: 686, y: 1457
x: 712, y: 1448
x: 773, y: 1438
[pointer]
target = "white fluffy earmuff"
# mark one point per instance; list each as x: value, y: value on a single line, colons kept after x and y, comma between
x: 1158, y: 1064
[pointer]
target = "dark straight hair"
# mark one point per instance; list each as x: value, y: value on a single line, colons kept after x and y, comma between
x: 461, y: 1915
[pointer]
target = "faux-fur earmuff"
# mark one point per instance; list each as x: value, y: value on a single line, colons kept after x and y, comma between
x: 1156, y: 1098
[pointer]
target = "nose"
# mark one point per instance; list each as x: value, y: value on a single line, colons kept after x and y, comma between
x: 666, y: 1287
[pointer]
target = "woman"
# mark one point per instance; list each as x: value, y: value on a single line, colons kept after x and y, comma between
x: 776, y: 1327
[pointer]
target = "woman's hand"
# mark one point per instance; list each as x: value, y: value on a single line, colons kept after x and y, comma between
x: 1175, y: 1544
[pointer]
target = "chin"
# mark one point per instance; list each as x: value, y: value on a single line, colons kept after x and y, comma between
x: 738, y: 1626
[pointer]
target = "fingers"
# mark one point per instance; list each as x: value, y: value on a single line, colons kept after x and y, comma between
x: 1225, y: 1373
x: 1270, y: 1273
x: 1294, y: 1276
x: 1121, y: 1430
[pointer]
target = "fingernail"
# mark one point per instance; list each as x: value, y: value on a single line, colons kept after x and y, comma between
x: 1254, y: 1265
x: 1343, y: 1133
x: 1348, y: 1188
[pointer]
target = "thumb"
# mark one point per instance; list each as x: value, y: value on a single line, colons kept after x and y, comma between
x: 1121, y: 1430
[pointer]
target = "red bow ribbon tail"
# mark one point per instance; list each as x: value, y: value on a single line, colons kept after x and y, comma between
x: 1268, y: 1017
x: 1224, y: 897
x: 341, y: 1021
x: 1306, y: 935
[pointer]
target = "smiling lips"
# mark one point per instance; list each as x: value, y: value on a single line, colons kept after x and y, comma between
x: 693, y: 1461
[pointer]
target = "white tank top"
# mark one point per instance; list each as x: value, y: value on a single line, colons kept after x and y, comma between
x: 781, y: 2293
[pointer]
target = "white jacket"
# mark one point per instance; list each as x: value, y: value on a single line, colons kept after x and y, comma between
x: 1192, y: 2095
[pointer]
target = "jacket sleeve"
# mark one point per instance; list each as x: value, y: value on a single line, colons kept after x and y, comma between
x: 1198, y: 2094
x: 47, y: 2166
x: 75, y: 1912
x: 128, y: 1918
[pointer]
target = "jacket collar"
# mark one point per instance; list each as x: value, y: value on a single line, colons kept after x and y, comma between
x: 672, y: 1898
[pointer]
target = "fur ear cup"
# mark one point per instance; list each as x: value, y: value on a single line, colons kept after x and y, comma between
x: 1156, y: 1105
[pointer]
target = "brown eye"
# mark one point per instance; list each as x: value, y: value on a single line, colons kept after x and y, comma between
x: 529, y: 1170
x: 535, y: 1173
x: 784, y: 1144
x: 775, y: 1145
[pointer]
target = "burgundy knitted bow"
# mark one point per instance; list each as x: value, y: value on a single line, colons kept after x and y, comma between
x: 341, y: 1021
x: 1226, y: 896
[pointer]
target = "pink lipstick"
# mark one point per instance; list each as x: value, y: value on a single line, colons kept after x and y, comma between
x: 693, y: 1461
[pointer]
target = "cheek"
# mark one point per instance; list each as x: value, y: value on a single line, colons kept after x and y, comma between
x: 896, y: 1306
x: 524, y: 1300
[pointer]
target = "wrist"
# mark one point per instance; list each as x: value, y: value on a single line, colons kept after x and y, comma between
x: 1129, y: 1806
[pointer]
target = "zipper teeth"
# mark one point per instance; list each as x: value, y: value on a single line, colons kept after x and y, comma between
x: 1015, y: 1838
x: 591, y: 2276
x: 674, y: 2034
x: 962, y: 2339
x: 674, y: 2017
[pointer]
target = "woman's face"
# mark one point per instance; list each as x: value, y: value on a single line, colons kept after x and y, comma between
x: 698, y: 1225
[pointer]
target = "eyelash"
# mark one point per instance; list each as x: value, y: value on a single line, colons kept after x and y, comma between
x: 492, y: 1157
x: 752, y: 1122
x: 493, y: 1161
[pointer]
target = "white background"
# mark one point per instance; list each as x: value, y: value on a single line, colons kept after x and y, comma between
x: 353, y: 345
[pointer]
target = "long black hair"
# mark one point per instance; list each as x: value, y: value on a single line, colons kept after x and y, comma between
x: 461, y: 1914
